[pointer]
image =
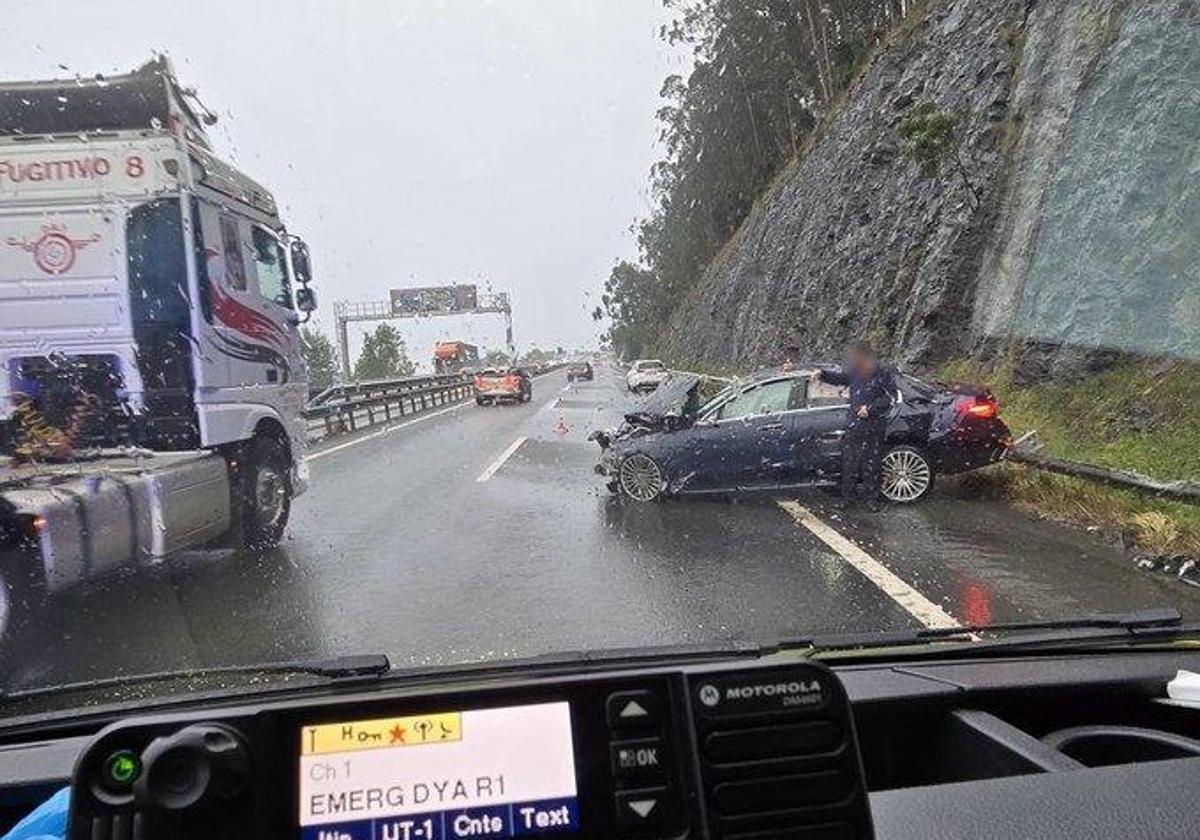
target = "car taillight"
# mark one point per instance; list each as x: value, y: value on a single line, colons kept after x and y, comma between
x: 981, y: 408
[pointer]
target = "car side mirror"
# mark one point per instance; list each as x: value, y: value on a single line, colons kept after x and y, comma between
x: 301, y: 266
x: 306, y: 299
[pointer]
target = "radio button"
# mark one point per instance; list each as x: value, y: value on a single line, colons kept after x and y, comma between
x: 637, y: 759
x: 634, y: 710
x: 642, y: 810
x: 780, y: 793
x: 823, y: 831
x: 765, y: 742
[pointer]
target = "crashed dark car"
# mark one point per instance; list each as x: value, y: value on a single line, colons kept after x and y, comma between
x: 780, y: 430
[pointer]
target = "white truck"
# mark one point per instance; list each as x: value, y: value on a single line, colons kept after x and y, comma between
x: 148, y: 330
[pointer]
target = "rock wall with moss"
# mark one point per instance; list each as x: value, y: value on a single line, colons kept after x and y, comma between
x: 1063, y: 220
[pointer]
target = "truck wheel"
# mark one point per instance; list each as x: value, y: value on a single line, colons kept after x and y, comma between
x: 266, y: 494
x: 6, y: 604
x: 22, y: 593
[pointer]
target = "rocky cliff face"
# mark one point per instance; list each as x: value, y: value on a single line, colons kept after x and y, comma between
x: 1075, y: 227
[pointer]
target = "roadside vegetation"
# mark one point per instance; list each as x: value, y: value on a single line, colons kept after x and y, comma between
x: 384, y: 355
x: 321, y: 358
x: 765, y: 75
x: 1139, y: 416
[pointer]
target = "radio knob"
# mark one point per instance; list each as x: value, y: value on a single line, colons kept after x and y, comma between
x: 197, y: 766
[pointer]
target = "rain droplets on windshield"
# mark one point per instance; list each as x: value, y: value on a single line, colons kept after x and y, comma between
x: 456, y: 332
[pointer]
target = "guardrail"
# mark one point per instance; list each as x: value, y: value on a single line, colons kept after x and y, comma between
x: 359, y: 407
x: 344, y: 409
x: 1028, y: 451
x: 382, y: 387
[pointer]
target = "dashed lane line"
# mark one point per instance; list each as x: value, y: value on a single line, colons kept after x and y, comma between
x: 499, y: 462
x: 912, y: 601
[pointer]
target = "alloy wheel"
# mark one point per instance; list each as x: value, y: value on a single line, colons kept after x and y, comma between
x: 641, y: 479
x: 906, y: 475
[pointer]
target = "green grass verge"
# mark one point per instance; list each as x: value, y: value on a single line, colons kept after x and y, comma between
x: 1138, y: 416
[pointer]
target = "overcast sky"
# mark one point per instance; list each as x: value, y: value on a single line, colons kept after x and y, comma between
x: 411, y: 142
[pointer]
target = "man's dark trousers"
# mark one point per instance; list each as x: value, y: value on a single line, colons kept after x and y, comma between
x: 862, y: 454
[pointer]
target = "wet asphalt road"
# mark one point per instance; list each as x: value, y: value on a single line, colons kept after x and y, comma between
x: 399, y: 548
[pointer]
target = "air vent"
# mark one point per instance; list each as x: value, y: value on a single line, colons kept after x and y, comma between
x: 778, y: 755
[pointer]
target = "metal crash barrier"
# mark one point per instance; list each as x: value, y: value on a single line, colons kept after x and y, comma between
x: 343, y: 409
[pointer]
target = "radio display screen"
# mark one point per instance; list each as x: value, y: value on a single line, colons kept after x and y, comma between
x: 505, y: 772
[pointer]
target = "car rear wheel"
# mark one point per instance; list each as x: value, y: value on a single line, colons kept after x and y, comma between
x: 907, y: 475
x: 641, y: 478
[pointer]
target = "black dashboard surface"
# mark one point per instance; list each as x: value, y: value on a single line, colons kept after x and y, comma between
x: 1131, y: 802
x: 951, y: 749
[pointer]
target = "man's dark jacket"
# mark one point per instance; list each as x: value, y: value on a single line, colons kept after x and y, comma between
x: 876, y: 391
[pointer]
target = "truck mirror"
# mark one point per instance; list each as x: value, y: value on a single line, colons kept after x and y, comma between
x: 306, y: 299
x: 301, y: 267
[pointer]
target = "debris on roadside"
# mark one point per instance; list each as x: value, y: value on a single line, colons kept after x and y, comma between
x: 1185, y: 569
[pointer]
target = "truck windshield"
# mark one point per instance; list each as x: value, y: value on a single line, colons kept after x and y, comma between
x: 463, y: 331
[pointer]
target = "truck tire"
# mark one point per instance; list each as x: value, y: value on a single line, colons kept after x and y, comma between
x: 7, y: 604
x: 264, y: 494
x: 22, y: 590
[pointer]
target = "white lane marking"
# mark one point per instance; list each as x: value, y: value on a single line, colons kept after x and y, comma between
x: 499, y: 462
x: 916, y: 604
x: 383, y: 432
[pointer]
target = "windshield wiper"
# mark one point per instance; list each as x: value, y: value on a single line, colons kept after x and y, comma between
x: 1154, y: 622
x: 334, y: 668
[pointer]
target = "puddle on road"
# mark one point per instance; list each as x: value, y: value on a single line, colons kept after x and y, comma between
x: 988, y: 562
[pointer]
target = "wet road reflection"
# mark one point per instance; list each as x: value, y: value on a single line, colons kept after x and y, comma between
x: 398, y: 549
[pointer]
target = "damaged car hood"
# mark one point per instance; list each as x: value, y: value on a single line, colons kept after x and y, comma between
x: 675, y: 399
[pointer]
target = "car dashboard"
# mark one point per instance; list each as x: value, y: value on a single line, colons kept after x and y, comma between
x: 746, y: 748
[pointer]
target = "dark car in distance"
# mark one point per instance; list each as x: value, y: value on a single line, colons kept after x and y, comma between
x: 783, y: 429
x: 580, y: 370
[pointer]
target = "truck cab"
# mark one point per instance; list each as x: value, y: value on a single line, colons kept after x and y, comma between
x: 152, y: 385
x: 148, y: 290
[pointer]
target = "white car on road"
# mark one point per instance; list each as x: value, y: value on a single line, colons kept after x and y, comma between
x: 646, y: 375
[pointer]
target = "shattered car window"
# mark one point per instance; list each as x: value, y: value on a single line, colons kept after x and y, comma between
x: 770, y: 398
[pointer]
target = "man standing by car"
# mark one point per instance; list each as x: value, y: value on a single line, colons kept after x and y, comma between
x: 872, y: 392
